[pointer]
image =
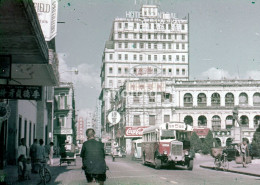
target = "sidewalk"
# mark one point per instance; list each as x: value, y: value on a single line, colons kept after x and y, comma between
x: 252, y: 169
x: 11, y: 174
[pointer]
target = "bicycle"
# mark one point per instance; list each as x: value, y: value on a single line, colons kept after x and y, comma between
x: 44, y: 172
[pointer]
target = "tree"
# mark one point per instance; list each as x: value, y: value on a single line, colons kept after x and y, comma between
x: 208, y: 143
x: 195, y: 142
x: 256, y: 142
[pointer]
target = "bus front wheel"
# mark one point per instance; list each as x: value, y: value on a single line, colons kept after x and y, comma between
x: 190, y: 165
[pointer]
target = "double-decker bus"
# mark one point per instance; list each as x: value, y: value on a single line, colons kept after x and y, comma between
x: 167, y: 144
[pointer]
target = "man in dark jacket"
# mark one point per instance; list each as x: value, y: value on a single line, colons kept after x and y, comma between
x: 93, y: 158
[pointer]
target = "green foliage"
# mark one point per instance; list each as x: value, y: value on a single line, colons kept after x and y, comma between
x: 256, y: 143
x: 208, y: 143
x: 195, y: 142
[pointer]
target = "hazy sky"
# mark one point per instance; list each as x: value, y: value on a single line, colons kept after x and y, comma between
x: 224, y: 39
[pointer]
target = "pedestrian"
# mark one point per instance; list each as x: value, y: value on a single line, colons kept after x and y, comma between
x: 113, y: 153
x: 33, y: 154
x: 28, y: 168
x: 41, y: 156
x: 244, y: 152
x: 22, y: 149
x: 21, y: 167
x: 93, y: 158
x: 51, y: 151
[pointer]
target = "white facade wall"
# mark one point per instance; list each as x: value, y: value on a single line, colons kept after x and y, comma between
x: 178, y: 109
x: 27, y: 111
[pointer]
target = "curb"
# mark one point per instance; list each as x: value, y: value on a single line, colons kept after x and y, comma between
x: 232, y: 171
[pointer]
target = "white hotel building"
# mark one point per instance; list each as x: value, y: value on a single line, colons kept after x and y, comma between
x: 145, y: 44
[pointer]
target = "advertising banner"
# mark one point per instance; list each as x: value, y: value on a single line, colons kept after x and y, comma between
x: 134, y: 131
x: 145, y: 86
x: 47, y: 11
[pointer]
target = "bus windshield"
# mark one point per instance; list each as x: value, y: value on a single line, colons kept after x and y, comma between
x: 168, y: 134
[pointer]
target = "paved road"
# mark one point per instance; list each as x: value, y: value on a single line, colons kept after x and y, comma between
x: 126, y: 172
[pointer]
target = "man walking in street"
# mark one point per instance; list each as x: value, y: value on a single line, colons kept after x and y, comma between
x: 244, y: 152
x: 93, y: 158
x: 33, y: 154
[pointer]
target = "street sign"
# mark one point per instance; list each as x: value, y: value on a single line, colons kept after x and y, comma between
x: 20, y: 92
x: 114, y: 117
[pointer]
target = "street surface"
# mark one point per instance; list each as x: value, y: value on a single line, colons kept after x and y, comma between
x: 126, y: 172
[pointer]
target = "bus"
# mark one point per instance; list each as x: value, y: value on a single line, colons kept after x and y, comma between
x: 167, y: 144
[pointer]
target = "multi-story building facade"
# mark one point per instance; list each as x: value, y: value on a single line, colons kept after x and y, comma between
x: 32, y: 62
x: 145, y: 44
x: 202, y: 105
x: 64, y: 115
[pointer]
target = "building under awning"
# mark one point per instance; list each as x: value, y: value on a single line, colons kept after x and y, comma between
x: 21, y: 37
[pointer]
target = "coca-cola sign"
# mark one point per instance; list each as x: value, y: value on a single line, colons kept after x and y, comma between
x: 134, y: 131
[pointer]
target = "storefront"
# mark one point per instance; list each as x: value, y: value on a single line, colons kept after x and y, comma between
x: 132, y: 133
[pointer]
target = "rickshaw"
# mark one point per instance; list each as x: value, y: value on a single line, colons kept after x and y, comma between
x: 68, y: 154
x: 220, y: 158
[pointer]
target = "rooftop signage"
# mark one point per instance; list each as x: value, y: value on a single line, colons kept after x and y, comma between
x: 47, y: 11
x: 145, y: 86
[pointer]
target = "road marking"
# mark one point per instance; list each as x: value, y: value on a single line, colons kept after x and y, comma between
x: 173, y: 182
x: 118, y: 177
x: 163, y: 178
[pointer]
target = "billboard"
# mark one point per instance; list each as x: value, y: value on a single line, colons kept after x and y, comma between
x: 47, y: 11
x: 134, y: 131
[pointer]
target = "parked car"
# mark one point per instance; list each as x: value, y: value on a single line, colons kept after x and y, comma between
x: 232, y: 151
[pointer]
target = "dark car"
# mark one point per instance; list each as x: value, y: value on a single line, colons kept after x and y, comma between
x: 231, y: 151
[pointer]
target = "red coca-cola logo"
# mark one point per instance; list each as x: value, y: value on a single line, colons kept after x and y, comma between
x: 134, y: 131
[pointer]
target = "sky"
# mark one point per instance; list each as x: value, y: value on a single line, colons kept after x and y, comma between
x: 224, y: 40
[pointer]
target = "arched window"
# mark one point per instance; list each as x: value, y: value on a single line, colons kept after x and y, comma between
x: 228, y: 141
x: 243, y: 99
x: 188, y: 100
x: 229, y: 122
x: 216, y: 122
x: 202, y: 100
x: 215, y: 99
x: 244, y: 121
x: 256, y: 120
x: 188, y: 120
x: 202, y: 121
x: 229, y: 100
x: 256, y: 99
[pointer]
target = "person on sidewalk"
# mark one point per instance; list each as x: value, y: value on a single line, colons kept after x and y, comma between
x: 33, y: 154
x: 50, y: 153
x: 93, y: 158
x: 244, y: 152
x: 22, y: 149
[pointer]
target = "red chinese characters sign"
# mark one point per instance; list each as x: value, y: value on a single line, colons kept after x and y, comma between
x: 201, y: 132
x: 134, y: 131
